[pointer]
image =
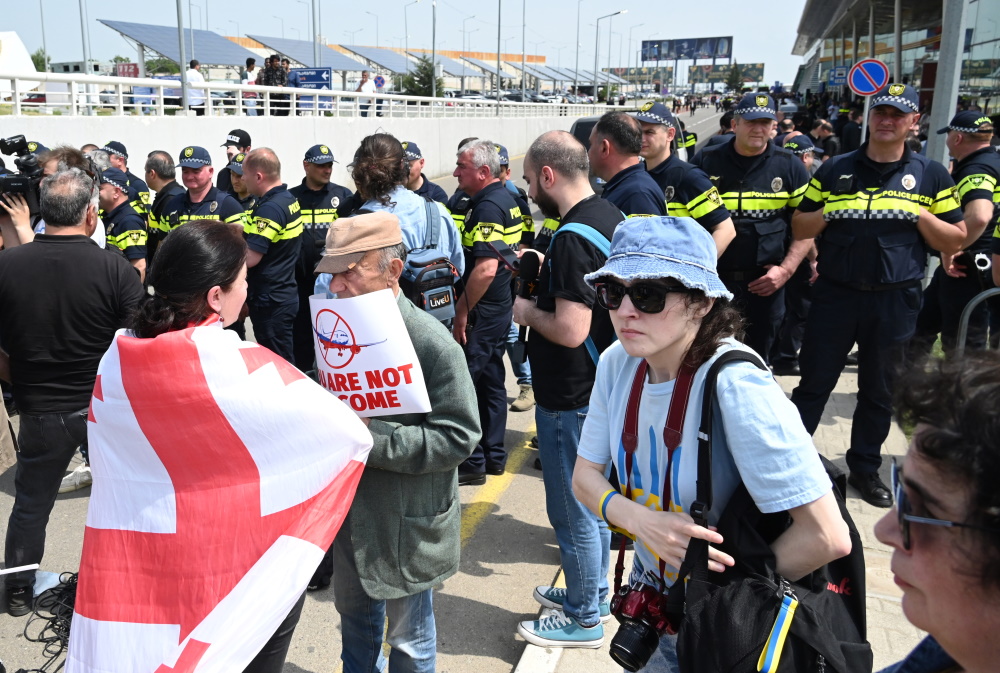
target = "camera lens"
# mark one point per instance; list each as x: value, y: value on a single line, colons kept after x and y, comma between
x: 634, y: 644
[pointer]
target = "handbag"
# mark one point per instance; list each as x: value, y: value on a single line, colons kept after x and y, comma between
x: 749, y: 619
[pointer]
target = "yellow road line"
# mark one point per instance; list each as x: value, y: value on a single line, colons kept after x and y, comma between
x: 489, y: 493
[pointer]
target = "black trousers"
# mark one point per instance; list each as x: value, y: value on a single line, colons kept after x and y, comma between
x: 944, y: 300
x: 484, y: 351
x: 46, y: 443
x: 881, y: 324
x: 798, y: 298
x: 302, y: 334
x: 271, y: 658
x: 272, y: 326
x: 762, y: 314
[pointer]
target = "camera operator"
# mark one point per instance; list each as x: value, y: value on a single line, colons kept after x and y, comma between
x: 565, y: 326
x: 61, y: 301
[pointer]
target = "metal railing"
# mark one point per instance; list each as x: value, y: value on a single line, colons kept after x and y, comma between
x: 91, y: 95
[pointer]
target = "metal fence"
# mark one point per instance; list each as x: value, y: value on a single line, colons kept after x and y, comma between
x: 74, y: 94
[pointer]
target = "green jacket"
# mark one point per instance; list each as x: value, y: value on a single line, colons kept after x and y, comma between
x: 405, y: 521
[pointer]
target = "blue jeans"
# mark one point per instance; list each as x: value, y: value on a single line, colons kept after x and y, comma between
x: 515, y: 352
x: 46, y: 443
x: 584, y: 540
x: 411, y: 634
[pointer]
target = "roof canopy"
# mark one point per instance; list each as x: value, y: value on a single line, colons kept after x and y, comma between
x: 386, y: 59
x: 209, y: 48
x: 302, y: 52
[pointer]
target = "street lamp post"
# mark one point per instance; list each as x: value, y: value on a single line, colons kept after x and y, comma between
x: 434, y: 26
x: 466, y: 49
x: 597, y: 45
x: 298, y: 33
x: 406, y: 34
x: 282, y: 25
x: 45, y: 47
x: 376, y: 25
x: 524, y: 27
x: 576, y: 69
x: 629, y: 64
x: 607, y: 84
x: 499, y: 22
x: 237, y: 24
x: 180, y: 41
x: 190, y: 28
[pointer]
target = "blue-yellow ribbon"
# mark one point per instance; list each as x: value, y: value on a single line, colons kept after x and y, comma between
x: 769, y: 658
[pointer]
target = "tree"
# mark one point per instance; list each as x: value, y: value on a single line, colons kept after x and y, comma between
x: 120, y: 59
x: 735, y: 79
x: 161, y: 65
x: 41, y: 60
x: 418, y: 81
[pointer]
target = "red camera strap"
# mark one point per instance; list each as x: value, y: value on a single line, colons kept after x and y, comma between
x: 673, y: 429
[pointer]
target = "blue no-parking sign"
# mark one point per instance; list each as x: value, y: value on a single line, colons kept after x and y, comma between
x: 868, y: 77
x: 379, y: 82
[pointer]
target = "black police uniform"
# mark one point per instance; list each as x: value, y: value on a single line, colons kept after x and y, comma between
x: 318, y: 209
x: 688, y: 192
x: 458, y: 206
x: 978, y: 177
x: 178, y: 210
x: 126, y: 231
x: 273, y: 229
x: 492, y: 223
x: 871, y: 261
x: 224, y: 181
x: 163, y: 197
x: 545, y: 233
x: 760, y: 193
x: 527, y: 219
x: 138, y: 194
x: 635, y: 193
x: 431, y: 191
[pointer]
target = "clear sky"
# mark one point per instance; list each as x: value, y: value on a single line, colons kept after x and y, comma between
x: 758, y: 36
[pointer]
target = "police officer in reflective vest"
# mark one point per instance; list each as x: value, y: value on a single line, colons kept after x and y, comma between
x: 238, y: 187
x: 138, y: 191
x: 761, y: 185
x: 416, y: 181
x: 321, y: 203
x: 490, y: 232
x: 686, y: 189
x: 272, y: 232
x: 126, y: 230
x: 874, y: 213
x: 960, y: 278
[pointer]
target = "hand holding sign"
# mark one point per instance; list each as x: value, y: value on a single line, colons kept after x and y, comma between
x: 365, y: 356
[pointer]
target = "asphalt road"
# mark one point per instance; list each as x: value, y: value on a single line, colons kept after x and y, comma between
x: 508, y: 547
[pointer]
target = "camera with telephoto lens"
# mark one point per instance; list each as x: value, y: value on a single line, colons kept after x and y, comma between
x: 641, y: 611
x: 29, y: 175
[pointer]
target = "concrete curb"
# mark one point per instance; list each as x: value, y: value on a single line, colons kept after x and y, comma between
x: 537, y: 659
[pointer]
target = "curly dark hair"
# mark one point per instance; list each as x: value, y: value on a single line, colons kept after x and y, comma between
x: 379, y: 166
x: 955, y: 402
x: 722, y: 321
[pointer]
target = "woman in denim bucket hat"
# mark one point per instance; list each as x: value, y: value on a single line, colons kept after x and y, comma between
x: 673, y: 317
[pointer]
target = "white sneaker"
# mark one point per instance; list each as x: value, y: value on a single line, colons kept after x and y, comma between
x: 77, y: 479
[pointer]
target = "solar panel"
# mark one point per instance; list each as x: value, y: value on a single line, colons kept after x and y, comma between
x: 491, y: 69
x: 551, y: 74
x: 392, y: 61
x: 209, y: 48
x: 451, y: 67
x: 567, y: 73
x: 302, y: 51
x: 528, y: 68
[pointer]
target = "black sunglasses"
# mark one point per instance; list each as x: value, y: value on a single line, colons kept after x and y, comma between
x: 646, y: 297
x: 903, y: 510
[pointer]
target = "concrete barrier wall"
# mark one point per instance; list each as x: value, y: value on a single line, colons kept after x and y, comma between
x: 288, y: 136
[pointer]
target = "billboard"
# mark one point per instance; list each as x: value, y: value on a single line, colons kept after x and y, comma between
x: 689, y: 48
x: 718, y: 74
x: 648, y: 76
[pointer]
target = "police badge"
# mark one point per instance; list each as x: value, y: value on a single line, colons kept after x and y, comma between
x: 335, y: 202
x: 212, y: 206
x: 713, y: 196
x: 188, y: 152
x: 646, y: 106
x: 896, y: 89
x: 909, y: 182
x: 668, y: 193
x: 761, y: 101
x: 776, y: 185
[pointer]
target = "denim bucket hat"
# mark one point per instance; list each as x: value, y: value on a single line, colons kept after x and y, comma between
x: 645, y: 248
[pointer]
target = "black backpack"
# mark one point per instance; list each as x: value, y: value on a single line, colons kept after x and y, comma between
x: 726, y: 619
x: 428, y: 278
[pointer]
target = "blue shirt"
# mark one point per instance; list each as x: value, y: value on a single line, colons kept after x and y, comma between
x: 635, y: 193
x: 927, y: 657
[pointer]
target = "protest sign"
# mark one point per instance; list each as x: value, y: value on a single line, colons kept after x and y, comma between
x: 364, y: 355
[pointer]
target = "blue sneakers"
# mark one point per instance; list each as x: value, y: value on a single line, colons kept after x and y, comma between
x: 553, y: 597
x: 558, y: 630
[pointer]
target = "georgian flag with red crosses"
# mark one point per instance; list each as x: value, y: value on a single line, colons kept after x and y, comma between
x: 221, y: 476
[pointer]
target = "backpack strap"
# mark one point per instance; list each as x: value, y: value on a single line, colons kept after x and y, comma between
x: 431, y: 229
x: 598, y: 240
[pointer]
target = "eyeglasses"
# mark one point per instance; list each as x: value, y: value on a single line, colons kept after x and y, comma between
x: 903, y: 510
x: 646, y: 297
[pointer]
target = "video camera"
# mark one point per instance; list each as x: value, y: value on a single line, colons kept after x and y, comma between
x: 29, y: 175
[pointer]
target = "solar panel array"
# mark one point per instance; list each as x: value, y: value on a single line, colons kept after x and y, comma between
x: 450, y: 66
x: 209, y: 48
x: 491, y: 69
x: 392, y: 61
x: 550, y: 73
x: 302, y: 51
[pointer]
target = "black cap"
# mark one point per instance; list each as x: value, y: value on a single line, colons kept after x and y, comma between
x: 900, y: 96
x: 236, y: 165
x: 504, y: 155
x: 756, y: 106
x: 801, y: 144
x: 411, y: 150
x: 319, y: 154
x: 237, y: 138
x: 36, y: 147
x: 656, y: 113
x: 194, y: 157
x: 115, y: 177
x: 969, y: 121
x: 116, y: 148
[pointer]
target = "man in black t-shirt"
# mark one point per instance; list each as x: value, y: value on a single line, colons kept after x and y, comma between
x: 567, y: 333
x: 61, y: 300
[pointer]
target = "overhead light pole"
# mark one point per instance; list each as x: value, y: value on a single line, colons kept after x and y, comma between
x: 406, y: 34
x: 576, y: 69
x: 630, y: 52
x: 180, y: 41
x: 376, y: 25
x: 597, y: 46
x: 434, y: 26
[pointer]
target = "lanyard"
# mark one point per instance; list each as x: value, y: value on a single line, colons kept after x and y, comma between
x: 672, y: 431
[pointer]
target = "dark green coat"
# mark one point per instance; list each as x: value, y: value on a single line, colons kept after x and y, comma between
x: 405, y: 521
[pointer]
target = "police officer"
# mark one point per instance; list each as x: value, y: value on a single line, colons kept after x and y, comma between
x: 417, y: 181
x: 239, y: 186
x: 688, y: 139
x: 761, y: 185
x: 138, y: 191
x: 615, y: 144
x: 520, y: 198
x: 960, y: 278
x: 201, y: 201
x: 321, y: 203
x: 878, y: 209
x: 686, y: 189
x: 237, y: 142
x: 491, y: 230
x: 458, y: 203
x: 126, y: 229
x: 798, y: 289
x: 161, y: 176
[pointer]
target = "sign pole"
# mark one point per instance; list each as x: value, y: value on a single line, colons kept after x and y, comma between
x: 864, y: 123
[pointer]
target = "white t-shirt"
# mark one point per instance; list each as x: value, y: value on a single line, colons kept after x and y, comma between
x: 367, y: 87
x: 757, y: 436
x: 195, y: 96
